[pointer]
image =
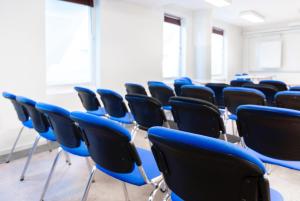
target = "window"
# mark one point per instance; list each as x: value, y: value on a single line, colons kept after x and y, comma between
x: 68, y: 43
x: 217, y: 52
x: 172, y: 47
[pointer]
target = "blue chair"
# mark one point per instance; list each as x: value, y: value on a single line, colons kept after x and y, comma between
x: 115, y: 106
x: 197, y: 116
x: 295, y: 88
x: 199, y: 92
x: 68, y: 136
x: 237, y: 96
x: 155, y: 82
x: 112, y: 149
x: 188, y: 79
x: 147, y: 111
x: 218, y: 89
x: 179, y: 83
x: 272, y: 134
x: 132, y: 88
x: 40, y: 124
x: 162, y: 93
x: 281, y: 86
x: 200, y: 168
x: 90, y: 101
x: 288, y: 99
x: 240, y: 82
x: 23, y: 118
x: 268, y: 90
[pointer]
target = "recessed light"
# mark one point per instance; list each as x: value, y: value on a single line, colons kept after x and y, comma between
x: 219, y: 3
x: 252, y: 16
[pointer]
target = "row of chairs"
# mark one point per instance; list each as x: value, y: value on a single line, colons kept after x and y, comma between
x: 183, y: 158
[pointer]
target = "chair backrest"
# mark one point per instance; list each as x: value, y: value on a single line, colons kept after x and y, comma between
x: 179, y: 83
x: 88, y: 98
x: 113, y: 103
x: 197, y: 116
x: 20, y: 110
x: 39, y: 120
x: 218, y: 89
x: 295, y: 88
x: 268, y: 90
x: 147, y: 111
x: 239, y: 82
x: 281, y: 86
x: 67, y: 133
x: 271, y: 131
x: 199, y: 92
x: 132, y: 88
x: 236, y: 96
x: 108, y: 143
x: 200, y: 168
x: 161, y: 92
x: 288, y: 99
x: 155, y: 82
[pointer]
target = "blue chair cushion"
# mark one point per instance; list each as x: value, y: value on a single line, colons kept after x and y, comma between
x: 127, y: 119
x: 275, y: 196
x: 28, y: 123
x: 100, y: 112
x: 167, y: 107
x: 295, y: 165
x: 232, y: 117
x: 81, y: 150
x: 135, y: 177
x: 49, y: 135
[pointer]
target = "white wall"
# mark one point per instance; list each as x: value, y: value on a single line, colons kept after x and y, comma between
x: 131, y: 44
x: 22, y: 64
x: 290, y: 37
x: 233, y: 48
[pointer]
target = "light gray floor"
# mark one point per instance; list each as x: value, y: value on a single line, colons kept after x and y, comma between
x: 69, y: 181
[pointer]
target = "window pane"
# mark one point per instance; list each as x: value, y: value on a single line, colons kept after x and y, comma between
x: 171, y: 57
x: 217, y: 55
x: 68, y: 43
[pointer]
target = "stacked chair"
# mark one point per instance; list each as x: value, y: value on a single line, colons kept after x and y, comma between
x: 23, y: 118
x: 132, y: 88
x: 281, y: 86
x: 179, y: 83
x: 269, y: 91
x: 162, y: 93
x: 196, y: 167
x: 90, y: 101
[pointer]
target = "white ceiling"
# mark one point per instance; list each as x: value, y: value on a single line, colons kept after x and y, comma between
x: 273, y: 10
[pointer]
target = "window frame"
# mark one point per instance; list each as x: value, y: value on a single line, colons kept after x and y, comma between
x: 221, y: 32
x: 172, y: 19
x: 93, y: 77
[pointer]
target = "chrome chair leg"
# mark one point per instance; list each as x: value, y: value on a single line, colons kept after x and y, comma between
x: 31, y: 151
x: 49, y: 146
x: 167, y: 197
x: 156, y: 188
x: 68, y: 159
x: 50, y: 174
x: 14, y: 146
x: 90, y: 167
x: 125, y: 191
x: 233, y: 128
x: 88, y: 185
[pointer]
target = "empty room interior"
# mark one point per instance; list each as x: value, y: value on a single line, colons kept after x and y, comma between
x: 150, y: 100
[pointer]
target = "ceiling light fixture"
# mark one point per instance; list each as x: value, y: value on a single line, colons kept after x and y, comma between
x: 219, y: 3
x: 252, y: 16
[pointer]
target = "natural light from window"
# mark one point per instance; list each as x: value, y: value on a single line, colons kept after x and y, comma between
x: 68, y: 43
x: 171, y: 50
x: 217, y: 54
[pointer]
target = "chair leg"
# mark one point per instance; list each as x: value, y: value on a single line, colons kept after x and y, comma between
x: 88, y: 185
x: 125, y: 191
x: 156, y: 188
x: 14, y: 146
x: 233, y: 129
x: 50, y: 174
x: 31, y: 151
x: 90, y: 167
x: 167, y: 197
x: 49, y: 146
x: 68, y: 159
